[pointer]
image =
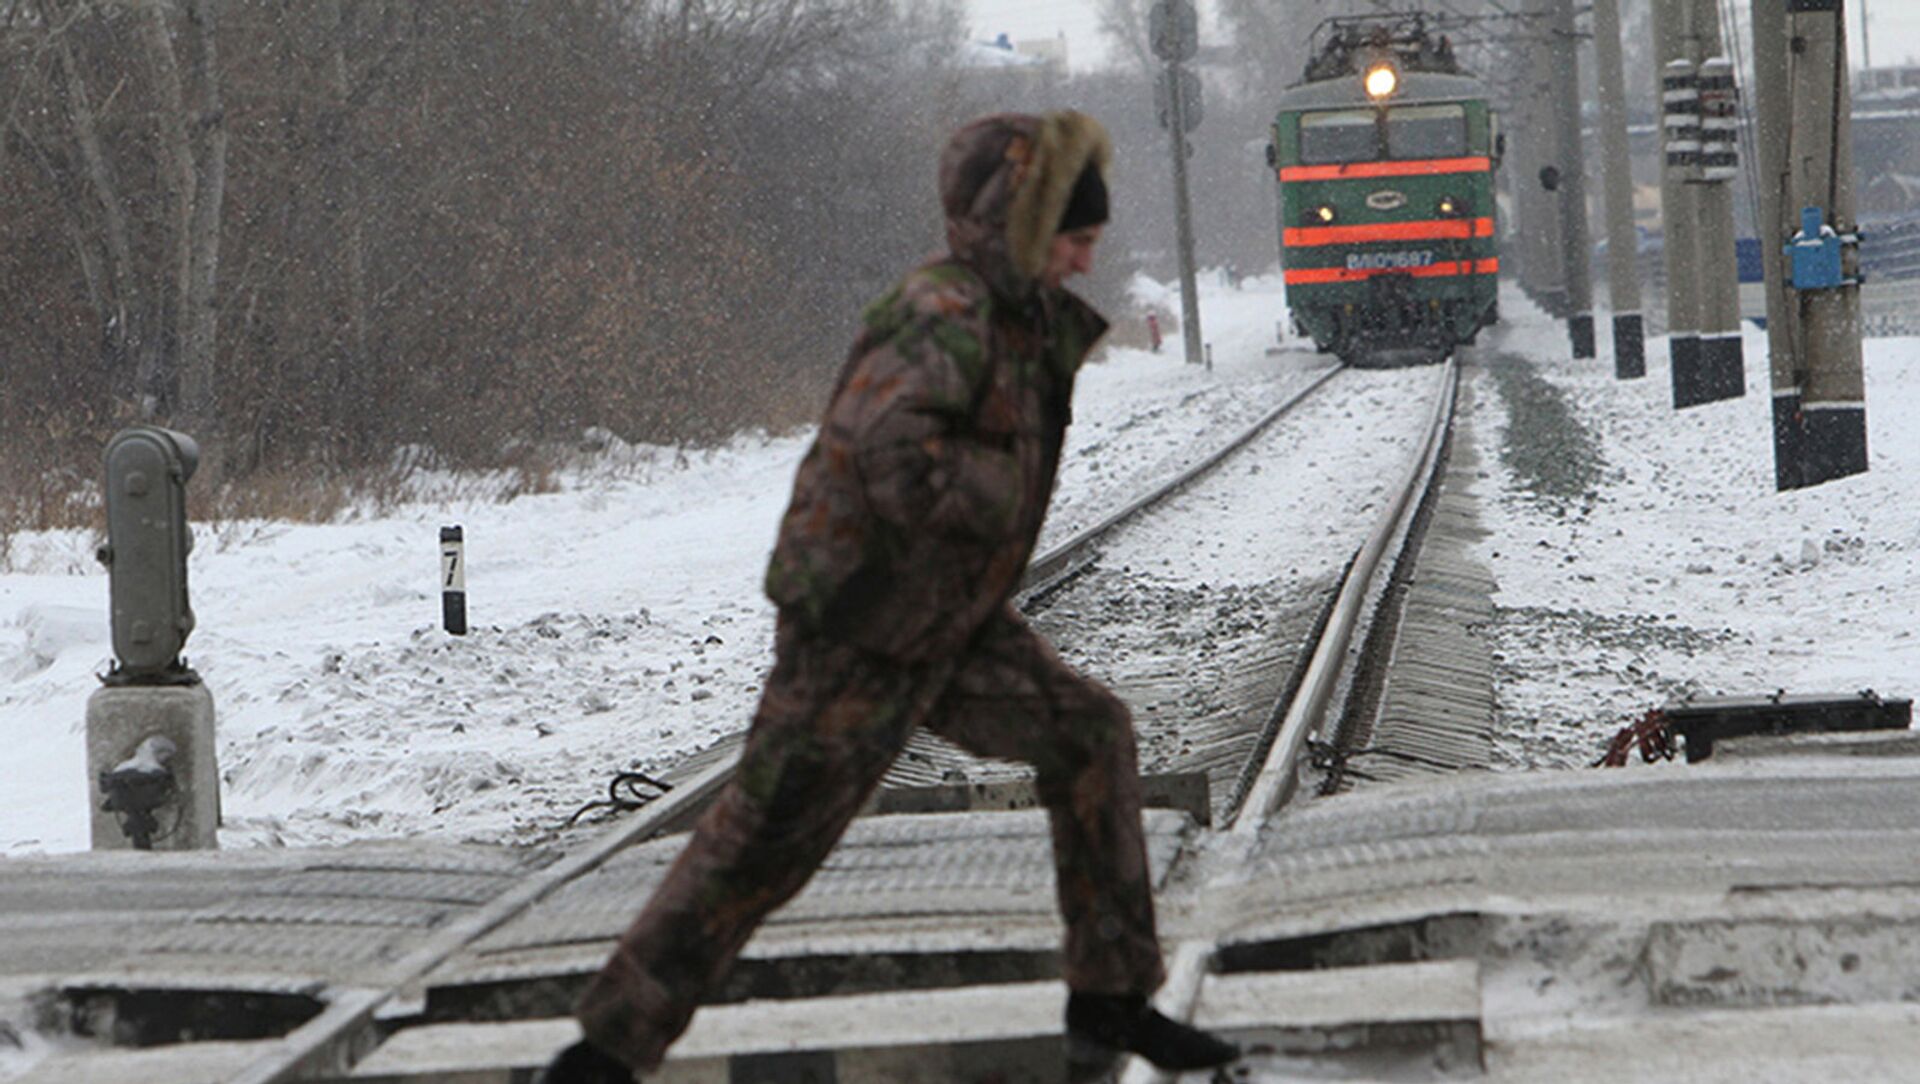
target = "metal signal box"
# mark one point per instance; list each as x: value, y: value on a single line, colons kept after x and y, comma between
x: 1816, y: 254
x: 146, y: 552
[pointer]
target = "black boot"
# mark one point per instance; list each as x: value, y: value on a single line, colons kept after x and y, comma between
x: 584, y: 1063
x: 1101, y: 1027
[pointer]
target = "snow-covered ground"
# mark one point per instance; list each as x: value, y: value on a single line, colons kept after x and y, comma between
x: 616, y: 623
x: 619, y: 621
x: 1684, y: 572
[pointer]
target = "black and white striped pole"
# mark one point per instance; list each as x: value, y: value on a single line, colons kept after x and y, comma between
x: 1699, y: 100
x: 1723, y: 367
x: 1679, y: 201
x: 453, y: 580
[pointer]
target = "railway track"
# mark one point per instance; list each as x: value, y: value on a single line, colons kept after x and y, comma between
x: 1230, y: 771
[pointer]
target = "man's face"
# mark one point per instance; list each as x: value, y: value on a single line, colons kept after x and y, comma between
x: 1071, y: 254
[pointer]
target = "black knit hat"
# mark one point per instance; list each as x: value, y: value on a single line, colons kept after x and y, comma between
x: 1087, y: 206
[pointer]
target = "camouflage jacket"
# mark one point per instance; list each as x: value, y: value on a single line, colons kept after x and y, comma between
x: 916, y: 509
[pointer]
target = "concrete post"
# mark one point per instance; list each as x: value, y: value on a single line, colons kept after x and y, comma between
x: 1623, y: 241
x: 1536, y: 140
x: 1832, y: 408
x: 1773, y: 112
x: 150, y: 760
x: 1576, y: 246
x: 1722, y: 354
x: 1678, y: 214
x: 1183, y: 215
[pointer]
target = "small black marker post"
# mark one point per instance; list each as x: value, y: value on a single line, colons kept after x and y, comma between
x: 453, y: 580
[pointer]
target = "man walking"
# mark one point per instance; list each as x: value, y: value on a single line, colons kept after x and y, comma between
x: 912, y: 520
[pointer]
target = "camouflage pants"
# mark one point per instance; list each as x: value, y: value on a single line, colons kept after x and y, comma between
x: 830, y: 722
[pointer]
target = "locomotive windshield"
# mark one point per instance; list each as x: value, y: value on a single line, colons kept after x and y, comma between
x: 1412, y: 131
x: 1349, y: 135
x: 1427, y: 131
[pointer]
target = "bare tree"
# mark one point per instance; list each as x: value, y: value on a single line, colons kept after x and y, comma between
x: 193, y: 133
x: 1124, y: 22
x: 1268, y: 48
x: 315, y: 233
x: 155, y: 330
x: 103, y: 232
x: 344, y: 194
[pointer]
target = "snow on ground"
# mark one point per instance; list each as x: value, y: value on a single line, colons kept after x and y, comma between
x: 1684, y: 572
x: 617, y: 623
x: 1257, y: 519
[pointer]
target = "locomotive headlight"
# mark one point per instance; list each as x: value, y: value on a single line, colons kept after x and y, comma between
x: 1448, y: 207
x: 1382, y: 81
x: 1323, y: 214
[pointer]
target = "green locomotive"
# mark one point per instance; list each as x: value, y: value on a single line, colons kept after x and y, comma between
x: 1385, y: 156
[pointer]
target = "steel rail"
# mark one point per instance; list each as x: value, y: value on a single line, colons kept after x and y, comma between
x: 329, y: 1043
x: 1303, y: 711
x: 1306, y: 711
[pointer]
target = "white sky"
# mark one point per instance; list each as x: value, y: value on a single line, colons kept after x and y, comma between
x: 1895, y: 26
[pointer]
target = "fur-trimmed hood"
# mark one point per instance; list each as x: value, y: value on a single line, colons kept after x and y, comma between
x: 1004, y: 183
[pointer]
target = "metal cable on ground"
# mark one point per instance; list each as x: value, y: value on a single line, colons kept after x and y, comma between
x: 627, y: 803
x: 1651, y: 734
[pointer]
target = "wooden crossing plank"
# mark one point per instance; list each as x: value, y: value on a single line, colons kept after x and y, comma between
x: 1426, y: 991
x: 1009, y: 1033
x: 191, y: 1063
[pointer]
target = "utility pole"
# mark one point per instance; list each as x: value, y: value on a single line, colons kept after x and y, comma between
x: 1866, y: 38
x: 1702, y: 140
x: 1576, y: 246
x: 1680, y: 109
x: 1773, y: 116
x: 1537, y: 175
x: 1173, y: 32
x: 1819, y: 395
x: 1623, y: 240
x: 1183, y: 210
x: 1723, y: 368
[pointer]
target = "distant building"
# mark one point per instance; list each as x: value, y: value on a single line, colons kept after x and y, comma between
x: 1043, y: 54
x: 1886, y: 141
x: 1048, y: 50
x: 1900, y: 81
x: 1890, y: 195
